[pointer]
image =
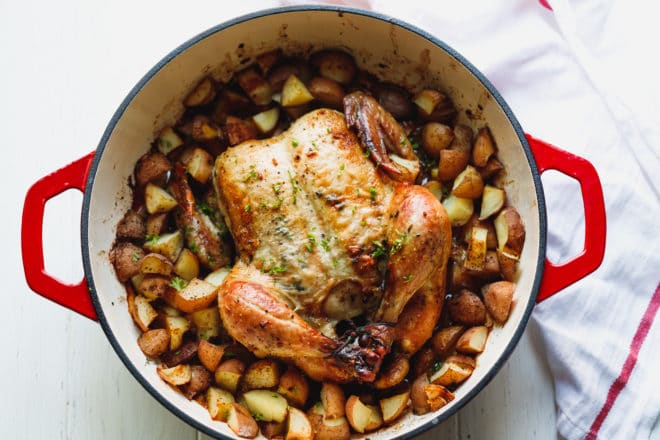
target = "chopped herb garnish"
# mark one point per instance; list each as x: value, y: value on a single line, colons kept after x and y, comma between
x: 379, y: 250
x: 353, y: 210
x: 341, y: 170
x: 192, y: 246
x: 247, y: 208
x: 311, y: 243
x: 277, y: 204
x: 316, y: 147
x: 151, y: 239
x: 166, y: 144
x: 372, y: 193
x: 178, y: 283
x: 294, y: 184
x: 205, y: 208
x: 415, y: 146
x: 335, y: 262
x: 436, y: 366
x: 258, y: 417
x: 363, y: 223
x: 294, y: 142
x: 135, y: 257
x: 252, y: 175
x: 325, y: 245
x: 408, y: 277
x: 276, y: 270
x: 398, y: 243
x: 276, y: 188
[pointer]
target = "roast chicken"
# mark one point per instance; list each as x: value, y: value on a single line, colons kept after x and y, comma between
x: 330, y: 228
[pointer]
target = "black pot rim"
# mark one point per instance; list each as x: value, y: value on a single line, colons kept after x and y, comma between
x: 309, y: 8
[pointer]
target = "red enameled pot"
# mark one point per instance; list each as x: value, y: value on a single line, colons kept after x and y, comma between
x: 397, y: 52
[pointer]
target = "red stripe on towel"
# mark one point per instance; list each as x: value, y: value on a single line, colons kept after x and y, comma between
x: 545, y: 4
x: 628, y: 365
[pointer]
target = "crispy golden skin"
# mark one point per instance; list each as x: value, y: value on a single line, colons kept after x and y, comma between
x: 312, y: 217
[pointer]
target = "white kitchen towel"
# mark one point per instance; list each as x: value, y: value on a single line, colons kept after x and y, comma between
x: 582, y: 75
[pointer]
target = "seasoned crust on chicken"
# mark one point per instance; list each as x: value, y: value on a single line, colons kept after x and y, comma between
x: 313, y: 221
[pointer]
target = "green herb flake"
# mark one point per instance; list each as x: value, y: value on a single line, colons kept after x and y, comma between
x: 310, y: 244
x: 294, y: 184
x: 277, y: 187
x: 178, y: 283
x: 335, y: 263
x: 398, y: 243
x: 193, y: 246
x: 379, y: 250
x: 247, y: 208
x: 277, y: 203
x: 363, y: 223
x: 252, y: 175
x: 325, y: 245
x: 276, y: 270
x: 151, y: 239
x: 294, y: 142
x: 436, y: 366
x: 341, y: 170
x: 205, y: 208
x: 408, y: 277
x: 372, y: 193
x: 135, y: 257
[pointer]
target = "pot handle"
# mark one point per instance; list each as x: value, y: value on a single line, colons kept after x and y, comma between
x: 558, y: 276
x: 72, y: 296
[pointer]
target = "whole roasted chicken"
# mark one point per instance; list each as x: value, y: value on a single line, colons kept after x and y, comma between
x: 329, y: 226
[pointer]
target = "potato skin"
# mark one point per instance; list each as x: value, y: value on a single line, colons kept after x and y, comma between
x: 200, y: 381
x: 497, y: 298
x: 150, y: 166
x: 154, y: 342
x: 516, y: 229
x: 182, y: 355
x: 444, y: 341
x: 392, y: 373
x: 466, y: 308
x: 154, y: 286
x: 327, y: 91
x: 131, y: 227
x: 395, y: 100
x: 126, y: 258
x: 436, y: 137
x: 418, y: 395
x: 451, y: 163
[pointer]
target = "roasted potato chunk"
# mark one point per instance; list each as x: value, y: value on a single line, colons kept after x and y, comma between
x: 436, y: 137
x: 497, y: 298
x: 255, y: 86
x: 154, y: 342
x: 510, y: 231
x: 202, y: 94
x: 131, y: 227
x: 126, y: 258
x: 264, y: 373
x: 294, y: 387
x: 150, y: 167
x: 179, y: 375
x: 335, y: 65
x: 466, y: 308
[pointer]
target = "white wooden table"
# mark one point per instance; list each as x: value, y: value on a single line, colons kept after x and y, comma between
x: 66, y: 66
